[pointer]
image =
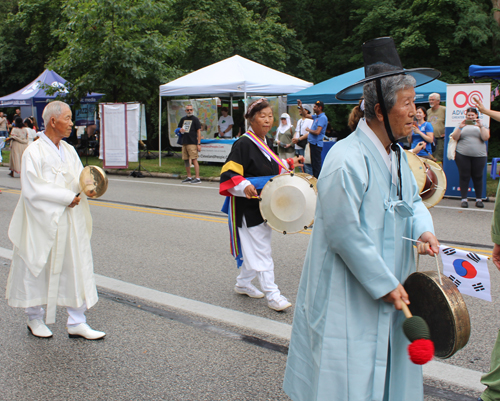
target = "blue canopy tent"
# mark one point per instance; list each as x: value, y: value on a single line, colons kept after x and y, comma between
x: 34, y: 95
x: 326, y: 90
x: 478, y: 71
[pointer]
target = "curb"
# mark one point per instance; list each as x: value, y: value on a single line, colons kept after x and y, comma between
x: 159, y: 175
x: 153, y: 174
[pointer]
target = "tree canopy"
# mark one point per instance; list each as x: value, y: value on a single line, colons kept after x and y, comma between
x: 127, y: 48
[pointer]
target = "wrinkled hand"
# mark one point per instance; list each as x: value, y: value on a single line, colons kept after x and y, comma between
x: 75, y: 202
x: 250, y: 192
x: 397, y: 296
x: 428, y: 245
x: 495, y: 256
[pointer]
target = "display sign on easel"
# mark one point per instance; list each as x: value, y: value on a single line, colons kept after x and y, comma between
x: 114, y: 135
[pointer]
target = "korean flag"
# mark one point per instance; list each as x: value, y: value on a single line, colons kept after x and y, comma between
x: 468, y: 271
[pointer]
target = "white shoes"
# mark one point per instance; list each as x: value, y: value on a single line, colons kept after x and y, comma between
x: 39, y: 329
x: 251, y: 291
x: 279, y: 304
x: 84, y: 330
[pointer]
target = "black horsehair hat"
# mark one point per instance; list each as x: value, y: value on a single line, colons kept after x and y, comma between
x: 381, y: 60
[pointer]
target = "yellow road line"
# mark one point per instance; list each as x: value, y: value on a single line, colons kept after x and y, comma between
x: 186, y: 215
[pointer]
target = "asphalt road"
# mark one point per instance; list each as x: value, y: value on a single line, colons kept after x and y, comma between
x: 165, y: 237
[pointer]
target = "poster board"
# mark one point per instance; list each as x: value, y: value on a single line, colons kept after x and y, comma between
x: 458, y: 99
x: 114, y: 138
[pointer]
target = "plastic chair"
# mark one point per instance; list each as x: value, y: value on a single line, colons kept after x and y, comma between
x: 493, y: 174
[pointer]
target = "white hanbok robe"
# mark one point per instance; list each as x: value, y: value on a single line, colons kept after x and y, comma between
x: 52, y: 261
x: 347, y: 344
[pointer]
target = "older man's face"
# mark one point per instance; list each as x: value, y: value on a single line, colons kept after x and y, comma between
x: 401, y: 115
x: 433, y: 101
x: 63, y: 123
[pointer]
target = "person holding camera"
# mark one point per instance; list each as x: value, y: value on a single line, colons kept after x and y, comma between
x: 471, y: 154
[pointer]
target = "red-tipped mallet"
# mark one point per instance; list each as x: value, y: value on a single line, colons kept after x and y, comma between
x: 421, y: 349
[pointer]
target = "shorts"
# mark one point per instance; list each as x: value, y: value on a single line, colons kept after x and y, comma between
x: 189, y: 152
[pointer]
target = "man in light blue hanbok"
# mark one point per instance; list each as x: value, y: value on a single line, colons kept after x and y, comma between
x: 347, y: 342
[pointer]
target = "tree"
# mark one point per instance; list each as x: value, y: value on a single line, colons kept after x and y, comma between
x: 218, y: 29
x: 114, y: 47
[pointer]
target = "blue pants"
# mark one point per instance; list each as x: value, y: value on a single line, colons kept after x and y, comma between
x: 316, y: 159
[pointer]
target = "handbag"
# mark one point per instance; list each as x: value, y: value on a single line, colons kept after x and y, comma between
x: 303, y: 142
x: 307, y: 154
x: 452, y: 148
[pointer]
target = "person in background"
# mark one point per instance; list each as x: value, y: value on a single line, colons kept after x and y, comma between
x: 357, y: 113
x: 225, y: 124
x: 316, y: 135
x: 421, y: 129
x: 436, y: 115
x: 284, y: 136
x: 471, y: 154
x: 35, y: 125
x: 18, y: 143
x: 300, y: 137
x: 4, y: 133
x: 190, y: 128
x: 32, y: 135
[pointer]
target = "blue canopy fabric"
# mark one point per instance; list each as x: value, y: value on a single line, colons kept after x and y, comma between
x: 326, y: 90
x: 478, y: 71
x: 33, y: 93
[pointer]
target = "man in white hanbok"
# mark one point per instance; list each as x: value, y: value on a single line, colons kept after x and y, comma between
x: 50, y: 229
x: 347, y: 343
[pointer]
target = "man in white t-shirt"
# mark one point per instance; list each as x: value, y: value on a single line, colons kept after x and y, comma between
x: 225, y: 124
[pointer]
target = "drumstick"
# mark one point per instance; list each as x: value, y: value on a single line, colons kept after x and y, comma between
x: 421, y: 349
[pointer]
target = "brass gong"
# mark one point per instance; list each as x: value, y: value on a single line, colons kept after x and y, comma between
x: 93, y: 181
x: 443, y: 309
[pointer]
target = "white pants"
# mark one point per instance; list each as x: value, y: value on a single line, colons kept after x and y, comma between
x: 75, y: 315
x: 257, y: 258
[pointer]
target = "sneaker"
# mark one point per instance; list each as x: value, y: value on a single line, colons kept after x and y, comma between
x: 464, y: 204
x: 279, y: 304
x: 479, y: 204
x: 196, y: 181
x: 187, y: 180
x: 251, y: 291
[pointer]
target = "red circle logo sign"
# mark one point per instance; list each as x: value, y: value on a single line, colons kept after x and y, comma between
x: 463, y: 99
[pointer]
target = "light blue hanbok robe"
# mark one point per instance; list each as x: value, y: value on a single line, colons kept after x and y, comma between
x: 345, y: 338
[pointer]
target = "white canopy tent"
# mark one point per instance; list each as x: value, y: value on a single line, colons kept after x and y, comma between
x: 232, y: 77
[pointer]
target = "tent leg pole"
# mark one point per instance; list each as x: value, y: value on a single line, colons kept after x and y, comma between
x: 245, y: 111
x: 159, y: 132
